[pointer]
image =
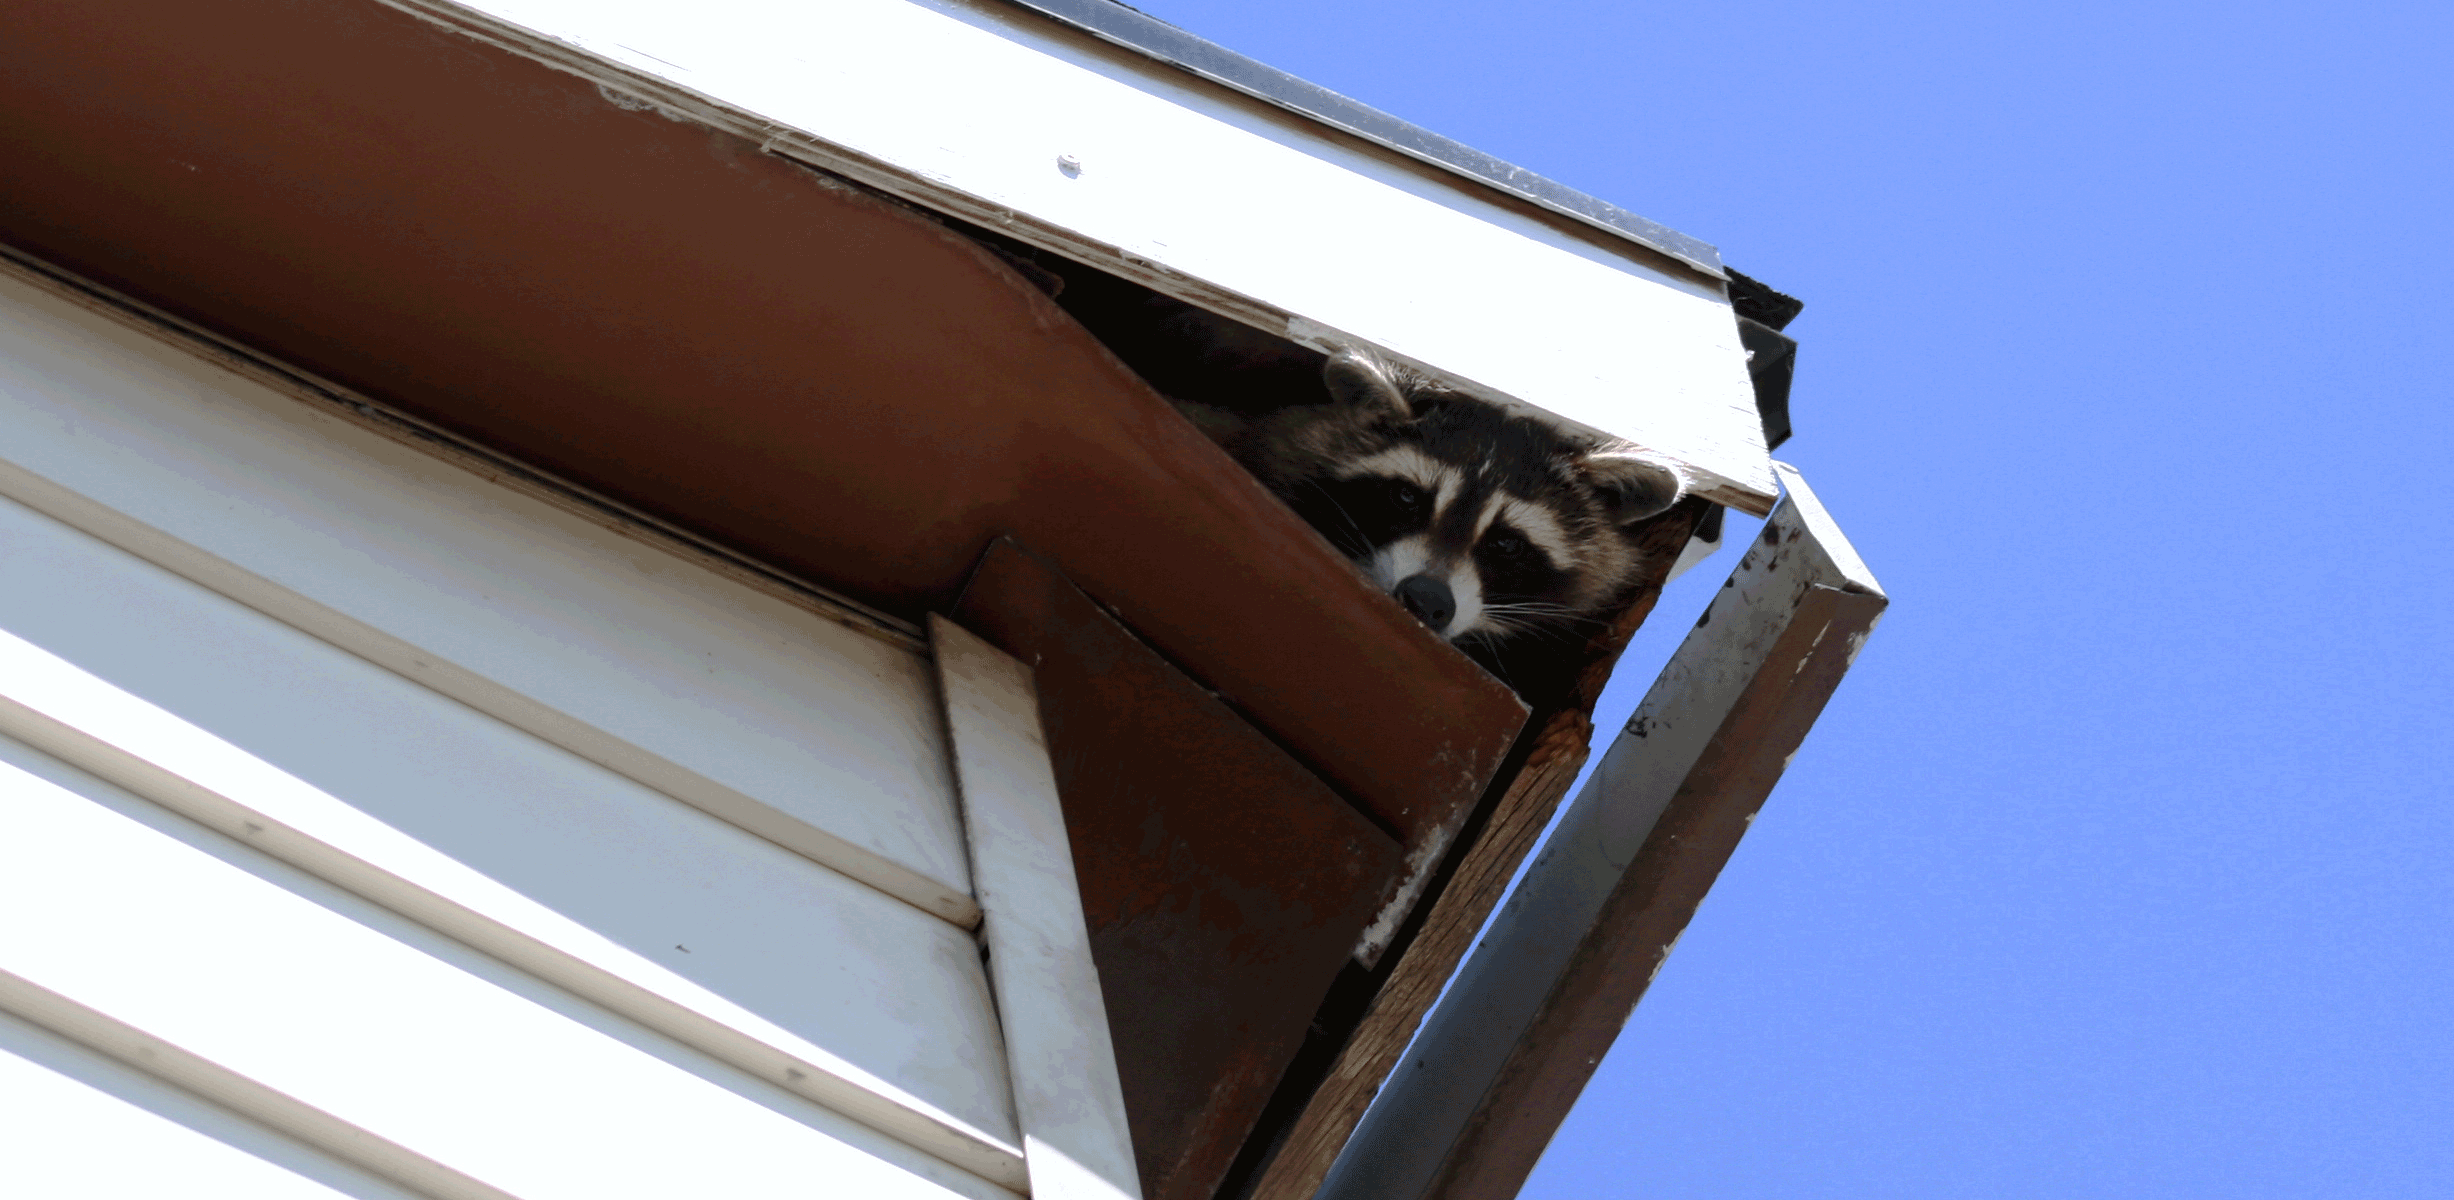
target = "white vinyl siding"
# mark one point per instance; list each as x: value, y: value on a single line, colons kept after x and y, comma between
x: 341, y: 1006
x: 812, y: 734
x: 743, y: 939
x: 75, y: 1125
x: 462, y: 839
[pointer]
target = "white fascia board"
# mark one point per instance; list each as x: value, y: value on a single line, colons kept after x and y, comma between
x: 1014, y: 121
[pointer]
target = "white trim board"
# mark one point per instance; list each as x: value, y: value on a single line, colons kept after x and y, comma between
x: 1066, y: 1094
x: 1011, y: 120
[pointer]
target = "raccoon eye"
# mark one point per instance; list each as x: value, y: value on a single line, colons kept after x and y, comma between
x: 1508, y: 545
x: 1408, y: 497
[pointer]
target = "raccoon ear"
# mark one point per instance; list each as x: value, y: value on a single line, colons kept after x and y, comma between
x: 1363, y: 383
x: 1634, y: 486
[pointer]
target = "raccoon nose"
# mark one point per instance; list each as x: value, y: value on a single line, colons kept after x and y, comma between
x: 1429, y: 600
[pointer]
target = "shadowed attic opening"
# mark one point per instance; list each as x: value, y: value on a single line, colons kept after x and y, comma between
x: 1244, y: 385
x: 1184, y: 352
x: 1189, y: 353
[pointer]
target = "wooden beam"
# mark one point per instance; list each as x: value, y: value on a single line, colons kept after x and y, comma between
x: 1476, y: 1099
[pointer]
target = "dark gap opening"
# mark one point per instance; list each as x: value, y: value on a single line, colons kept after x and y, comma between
x: 1184, y: 352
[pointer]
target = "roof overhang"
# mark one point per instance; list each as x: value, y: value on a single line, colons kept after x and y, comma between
x: 658, y: 311
x: 589, y: 237
x: 1155, y: 39
x: 1301, y: 213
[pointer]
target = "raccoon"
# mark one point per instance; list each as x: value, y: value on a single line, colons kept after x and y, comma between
x: 1496, y: 530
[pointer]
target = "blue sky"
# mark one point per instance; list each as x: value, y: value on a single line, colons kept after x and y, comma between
x: 2120, y: 865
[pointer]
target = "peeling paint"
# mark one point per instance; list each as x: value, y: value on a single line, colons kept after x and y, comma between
x: 630, y: 103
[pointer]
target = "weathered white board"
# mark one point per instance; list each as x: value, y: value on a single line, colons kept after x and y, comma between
x: 795, y: 727
x: 1011, y: 121
x: 1066, y: 1095
x: 716, y: 937
x: 385, y: 1028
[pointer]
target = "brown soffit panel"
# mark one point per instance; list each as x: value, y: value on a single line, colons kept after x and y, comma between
x: 1222, y: 883
x: 656, y: 310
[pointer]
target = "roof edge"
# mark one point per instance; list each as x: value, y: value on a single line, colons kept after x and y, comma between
x: 1164, y: 43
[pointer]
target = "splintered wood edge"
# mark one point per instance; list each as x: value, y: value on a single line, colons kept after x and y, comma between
x: 1459, y: 910
x: 1641, y: 920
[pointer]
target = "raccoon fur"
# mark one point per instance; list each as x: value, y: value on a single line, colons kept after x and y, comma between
x: 1500, y: 532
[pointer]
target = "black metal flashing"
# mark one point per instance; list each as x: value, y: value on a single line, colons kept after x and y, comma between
x: 1156, y: 39
x: 1758, y: 301
x: 1772, y: 360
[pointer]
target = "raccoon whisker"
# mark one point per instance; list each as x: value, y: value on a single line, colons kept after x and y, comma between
x: 1490, y: 641
x: 1529, y: 613
x: 1379, y: 468
x: 1353, y: 528
x: 1554, y: 619
x: 1506, y: 625
x: 1503, y: 625
x: 1521, y: 620
x: 1548, y: 626
x: 1536, y: 606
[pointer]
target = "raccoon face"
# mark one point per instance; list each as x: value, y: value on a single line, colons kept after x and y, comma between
x: 1486, y: 525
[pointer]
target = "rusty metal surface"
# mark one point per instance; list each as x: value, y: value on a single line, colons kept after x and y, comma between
x: 1642, y: 918
x: 658, y: 311
x: 1222, y: 883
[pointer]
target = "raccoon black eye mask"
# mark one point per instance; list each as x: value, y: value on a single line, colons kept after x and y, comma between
x: 1488, y: 526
